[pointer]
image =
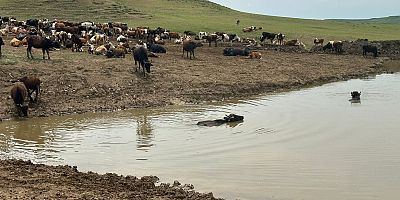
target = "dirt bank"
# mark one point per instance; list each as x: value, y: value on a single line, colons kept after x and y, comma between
x: 79, y: 82
x: 24, y: 180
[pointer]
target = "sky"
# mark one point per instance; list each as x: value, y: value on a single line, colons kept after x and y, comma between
x: 317, y: 9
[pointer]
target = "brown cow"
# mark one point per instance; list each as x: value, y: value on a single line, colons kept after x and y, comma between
x: 18, y: 94
x: 318, y: 41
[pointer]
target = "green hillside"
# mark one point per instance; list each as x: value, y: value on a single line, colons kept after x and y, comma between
x: 381, y: 20
x: 195, y: 15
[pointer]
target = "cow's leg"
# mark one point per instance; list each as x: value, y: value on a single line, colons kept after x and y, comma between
x: 30, y: 95
x: 183, y: 54
x: 28, y: 50
x: 0, y: 50
x: 43, y: 50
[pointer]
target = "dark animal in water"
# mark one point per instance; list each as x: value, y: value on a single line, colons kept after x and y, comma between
x: 355, y: 95
x: 140, y: 55
x: 32, y: 84
x: 227, y: 119
x: 370, y: 48
x: 18, y: 94
x: 39, y: 42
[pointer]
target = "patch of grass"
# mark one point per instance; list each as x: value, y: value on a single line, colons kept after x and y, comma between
x: 6, y: 60
x: 196, y: 15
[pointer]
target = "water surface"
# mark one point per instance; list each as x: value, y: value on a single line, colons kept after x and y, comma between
x: 307, y: 144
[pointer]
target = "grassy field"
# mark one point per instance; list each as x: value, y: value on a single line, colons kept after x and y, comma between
x: 195, y: 15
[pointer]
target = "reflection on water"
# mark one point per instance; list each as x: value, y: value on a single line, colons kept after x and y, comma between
x: 307, y: 144
x: 144, y: 132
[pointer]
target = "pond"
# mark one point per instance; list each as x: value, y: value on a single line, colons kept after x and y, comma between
x: 307, y: 144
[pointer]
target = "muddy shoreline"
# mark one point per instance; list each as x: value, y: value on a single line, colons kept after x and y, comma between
x: 25, y: 180
x: 75, y: 83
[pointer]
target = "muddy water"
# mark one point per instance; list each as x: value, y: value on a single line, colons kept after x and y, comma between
x: 308, y: 144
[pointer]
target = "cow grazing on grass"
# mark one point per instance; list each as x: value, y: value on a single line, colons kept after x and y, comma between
x: 268, y: 36
x: 18, y: 94
x: 140, y: 55
x: 280, y: 37
x: 370, y: 48
x: 32, y: 84
x: 319, y: 41
x: 39, y: 42
x: 336, y: 46
x: 1, y: 44
x: 189, y: 47
x: 236, y: 51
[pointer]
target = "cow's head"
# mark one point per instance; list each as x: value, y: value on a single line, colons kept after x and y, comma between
x: 24, y: 110
x: 147, y: 66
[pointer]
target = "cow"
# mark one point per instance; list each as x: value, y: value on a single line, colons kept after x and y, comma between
x: 1, y: 44
x: 156, y: 48
x: 249, y: 29
x: 211, y: 38
x: 336, y: 46
x: 16, y: 43
x: 190, y: 33
x: 39, y: 42
x: 18, y: 94
x: 319, y: 41
x: 32, y: 22
x: 77, y: 43
x: 268, y: 36
x: 370, y: 48
x: 140, y: 55
x: 32, y: 84
x: 236, y: 52
x: 255, y: 55
x: 116, y: 53
x: 291, y: 42
x: 189, y: 47
x: 280, y: 38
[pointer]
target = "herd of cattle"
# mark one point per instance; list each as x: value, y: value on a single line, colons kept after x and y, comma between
x: 99, y: 38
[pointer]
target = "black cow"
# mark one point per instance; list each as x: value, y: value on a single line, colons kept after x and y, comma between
x: 370, y: 48
x: 189, y: 47
x: 236, y: 51
x: 191, y: 33
x: 32, y: 22
x: 39, y: 42
x: 76, y: 43
x: 268, y: 36
x: 140, y: 55
x: 156, y: 48
x: 1, y: 44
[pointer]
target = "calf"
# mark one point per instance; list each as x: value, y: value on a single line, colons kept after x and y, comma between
x: 140, y: 55
x: 236, y: 51
x: 255, y: 55
x: 280, y: 38
x: 370, y: 48
x: 268, y: 36
x: 32, y: 84
x: 18, y: 94
x: 319, y: 41
x: 189, y: 47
